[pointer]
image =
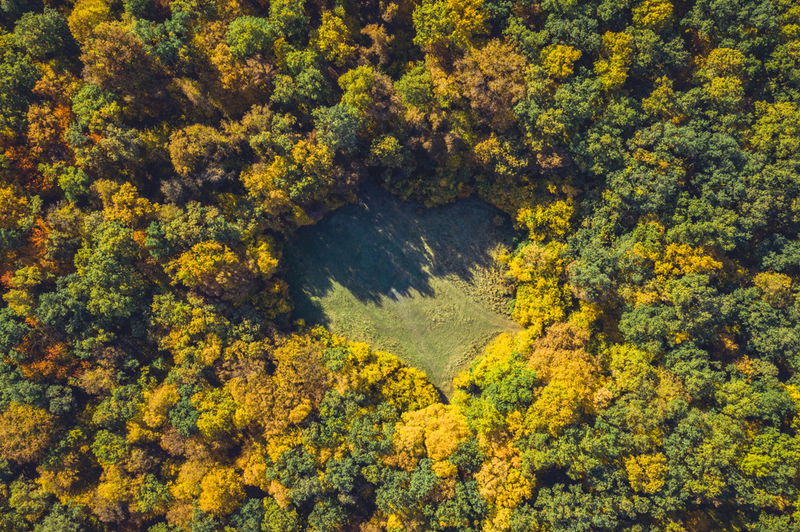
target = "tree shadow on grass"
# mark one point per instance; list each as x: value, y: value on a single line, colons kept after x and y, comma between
x: 383, y: 247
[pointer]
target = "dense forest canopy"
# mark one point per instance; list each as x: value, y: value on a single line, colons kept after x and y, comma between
x: 157, y: 155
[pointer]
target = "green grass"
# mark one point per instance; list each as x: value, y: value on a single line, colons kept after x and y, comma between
x: 420, y: 283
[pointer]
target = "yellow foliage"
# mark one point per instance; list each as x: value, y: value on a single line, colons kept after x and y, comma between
x: 558, y: 59
x: 497, y: 155
x: 534, y: 261
x: 259, y: 180
x: 727, y: 89
x: 618, y: 45
x: 405, y: 387
x: 314, y: 158
x: 136, y: 433
x: 434, y: 432
x: 669, y: 261
x: 468, y: 18
x: 64, y: 481
x: 444, y: 469
x: 496, y: 354
x: 222, y: 491
x: 158, y: 403
x: 279, y: 444
x: 670, y: 387
x: 453, y: 22
x: 561, y: 356
x: 122, y: 202
x: 191, y: 338
x: 358, y: 84
x: 187, y: 485
x: 13, y: 206
x: 501, y: 480
x: 115, y: 486
x: 652, y: 14
x: 661, y: 102
x: 794, y: 393
x: 540, y: 303
x: 300, y: 412
x: 723, y: 62
x: 612, y: 69
x: 550, y: 221
x: 775, y: 288
x: 204, y: 260
x: 333, y: 39
x: 542, y: 297
x: 253, y: 464
x: 557, y: 406
x: 274, y: 403
x: 85, y: 15
x: 216, y: 412
x: 630, y: 367
x: 646, y: 472
x: 777, y: 128
x: 683, y: 259
x: 586, y: 314
x: 551, y: 123
x: 571, y: 375
x: 249, y: 407
x: 20, y: 297
x: 264, y: 254
x: 25, y: 432
x: 280, y: 493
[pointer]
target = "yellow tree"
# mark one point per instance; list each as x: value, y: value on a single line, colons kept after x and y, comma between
x: 491, y: 87
x: 571, y: 375
x: 211, y: 267
x: 616, y: 59
x: 448, y: 23
x: 558, y: 59
x: 85, y: 15
x: 646, y: 472
x: 13, y: 207
x: 221, y: 490
x: 502, y: 482
x: 723, y: 68
x: 539, y: 266
x: 653, y: 14
x: 434, y: 432
x: 333, y: 38
x: 25, y: 432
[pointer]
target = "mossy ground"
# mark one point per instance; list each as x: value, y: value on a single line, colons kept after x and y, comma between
x: 420, y: 283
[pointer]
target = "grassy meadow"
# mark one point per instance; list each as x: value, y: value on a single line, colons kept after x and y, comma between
x: 420, y: 283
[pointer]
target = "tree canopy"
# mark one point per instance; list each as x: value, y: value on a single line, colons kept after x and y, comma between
x: 156, y: 156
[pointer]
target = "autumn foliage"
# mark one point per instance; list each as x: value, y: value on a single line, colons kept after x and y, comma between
x: 156, y: 155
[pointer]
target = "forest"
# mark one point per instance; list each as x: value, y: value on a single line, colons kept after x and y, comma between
x: 157, y: 157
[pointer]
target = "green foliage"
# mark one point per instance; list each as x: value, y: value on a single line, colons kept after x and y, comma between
x: 114, y: 287
x: 43, y: 35
x: 17, y: 76
x: 338, y: 126
x: 157, y: 157
x: 74, y: 182
x: 108, y: 447
x: 167, y: 40
x: 248, y: 36
x: 288, y: 17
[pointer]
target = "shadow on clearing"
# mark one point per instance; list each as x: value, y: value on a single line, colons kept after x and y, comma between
x: 383, y: 246
x: 421, y: 283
